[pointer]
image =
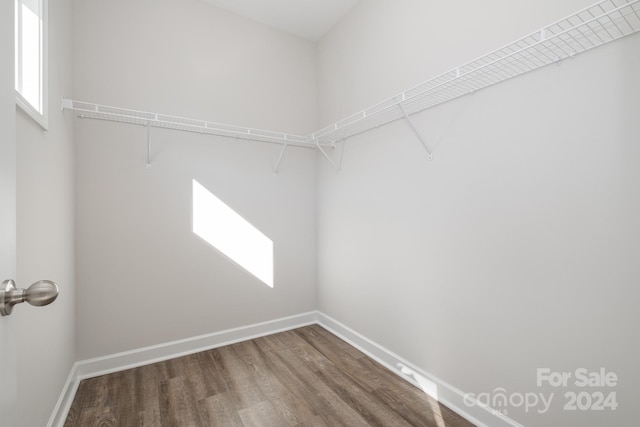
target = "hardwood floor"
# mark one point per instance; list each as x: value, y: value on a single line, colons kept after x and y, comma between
x: 303, y: 377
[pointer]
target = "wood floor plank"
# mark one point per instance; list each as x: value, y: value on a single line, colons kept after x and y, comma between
x: 220, y: 410
x: 324, y: 400
x: 414, y: 414
x: 343, y: 356
x: 214, y: 375
x: 146, y: 390
x: 305, y: 377
x: 367, y: 405
x: 240, y: 378
x: 271, y: 385
x: 263, y: 414
x: 379, y: 376
x: 300, y: 390
x: 178, y: 408
x: 316, y: 421
x: 350, y: 361
x: 302, y: 349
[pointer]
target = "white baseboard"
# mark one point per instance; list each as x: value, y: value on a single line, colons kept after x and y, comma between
x: 440, y: 390
x: 144, y: 356
x: 445, y: 393
x: 60, y: 411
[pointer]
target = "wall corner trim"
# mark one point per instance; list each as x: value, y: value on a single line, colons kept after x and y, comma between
x: 445, y: 393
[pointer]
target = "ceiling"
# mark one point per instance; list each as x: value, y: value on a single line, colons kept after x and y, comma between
x: 309, y: 19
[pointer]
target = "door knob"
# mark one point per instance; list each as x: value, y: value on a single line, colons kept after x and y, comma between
x: 41, y: 293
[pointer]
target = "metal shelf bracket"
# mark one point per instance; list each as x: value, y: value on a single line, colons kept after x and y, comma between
x: 148, y: 145
x: 415, y: 130
x: 326, y: 156
x: 277, y: 167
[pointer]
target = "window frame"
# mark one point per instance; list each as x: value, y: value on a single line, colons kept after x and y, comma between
x: 40, y: 117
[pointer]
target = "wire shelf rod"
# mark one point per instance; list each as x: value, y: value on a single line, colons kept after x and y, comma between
x: 123, y: 115
x: 588, y: 28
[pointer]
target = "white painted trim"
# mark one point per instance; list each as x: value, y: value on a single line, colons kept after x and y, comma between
x: 480, y: 414
x: 60, y: 411
x: 157, y: 353
x: 448, y: 395
x: 143, y: 356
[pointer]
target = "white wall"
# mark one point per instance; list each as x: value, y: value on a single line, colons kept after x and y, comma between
x: 514, y: 249
x: 143, y: 277
x: 45, y: 231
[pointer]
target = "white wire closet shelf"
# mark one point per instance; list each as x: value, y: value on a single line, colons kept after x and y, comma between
x: 593, y: 26
x: 103, y: 112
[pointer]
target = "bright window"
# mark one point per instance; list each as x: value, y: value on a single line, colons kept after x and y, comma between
x: 227, y: 231
x: 31, y: 58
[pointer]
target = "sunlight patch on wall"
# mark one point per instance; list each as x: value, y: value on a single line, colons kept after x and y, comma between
x: 224, y: 229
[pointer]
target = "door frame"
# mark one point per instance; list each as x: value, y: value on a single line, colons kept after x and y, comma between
x: 8, y: 324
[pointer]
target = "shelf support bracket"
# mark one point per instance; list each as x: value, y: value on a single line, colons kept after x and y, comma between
x: 148, y: 145
x: 326, y: 156
x: 415, y: 130
x: 284, y: 147
x: 344, y: 142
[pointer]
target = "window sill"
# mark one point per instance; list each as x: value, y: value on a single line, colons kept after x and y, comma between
x: 40, y: 119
